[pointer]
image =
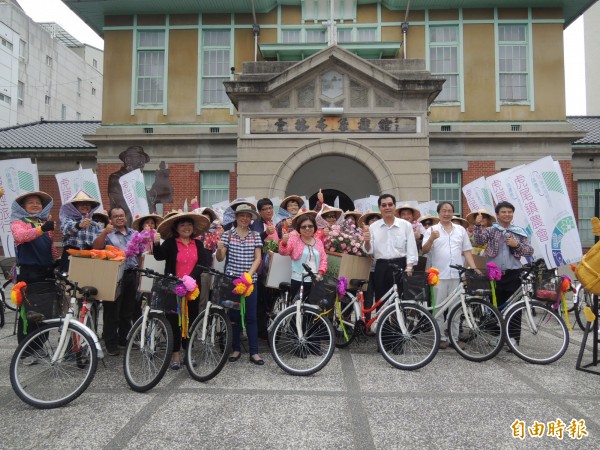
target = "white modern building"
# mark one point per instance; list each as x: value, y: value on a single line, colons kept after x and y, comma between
x: 45, y: 72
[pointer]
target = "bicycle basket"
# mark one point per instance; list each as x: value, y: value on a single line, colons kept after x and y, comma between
x: 222, y: 289
x: 546, y: 286
x: 415, y: 287
x: 43, y: 301
x: 163, y: 295
x: 6, y: 265
x: 322, y: 293
x: 476, y: 284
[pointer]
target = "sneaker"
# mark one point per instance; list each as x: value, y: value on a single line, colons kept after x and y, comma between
x: 444, y: 345
x: 30, y: 361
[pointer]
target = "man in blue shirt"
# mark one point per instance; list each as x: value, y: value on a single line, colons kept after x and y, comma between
x: 118, y: 315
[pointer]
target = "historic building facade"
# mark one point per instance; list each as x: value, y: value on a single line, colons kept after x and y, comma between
x: 266, y: 97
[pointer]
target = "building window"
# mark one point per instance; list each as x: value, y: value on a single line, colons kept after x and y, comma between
x: 320, y: 9
x: 344, y: 35
x: 290, y: 36
x: 214, y: 187
x: 446, y: 186
x: 7, y: 44
x: 215, y: 66
x: 79, y: 86
x: 443, y: 59
x: 586, y: 191
x: 94, y: 63
x: 513, y: 67
x: 316, y: 36
x: 150, y: 67
x: 47, y: 100
x: 93, y: 91
x: 366, y: 35
x: 63, y: 112
x: 20, y: 92
x: 48, y: 61
x: 22, y: 49
x: 5, y: 98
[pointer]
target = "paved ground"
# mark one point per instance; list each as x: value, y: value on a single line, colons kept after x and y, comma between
x: 357, y: 401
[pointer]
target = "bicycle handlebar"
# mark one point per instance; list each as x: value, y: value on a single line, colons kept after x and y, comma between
x: 154, y: 274
x: 216, y: 272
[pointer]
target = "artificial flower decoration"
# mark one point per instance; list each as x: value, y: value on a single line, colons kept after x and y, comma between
x: 573, y: 267
x: 341, y: 286
x: 433, y: 276
x: 345, y: 238
x: 565, y: 285
x: 16, y: 295
x: 243, y: 285
x: 139, y: 243
x: 493, y: 272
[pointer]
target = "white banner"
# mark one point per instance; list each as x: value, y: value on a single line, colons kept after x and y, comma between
x: 367, y: 204
x: 70, y: 183
x: 134, y: 192
x: 478, y: 195
x: 17, y: 176
x: 428, y: 208
x: 543, y: 192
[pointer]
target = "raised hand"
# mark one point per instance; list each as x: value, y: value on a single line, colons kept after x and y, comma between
x: 284, y: 238
x: 366, y: 233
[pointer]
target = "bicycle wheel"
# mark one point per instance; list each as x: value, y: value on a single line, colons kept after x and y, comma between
x: 2, y: 308
x: 344, y: 324
x: 302, y: 355
x: 44, y: 384
x: 144, y: 366
x: 7, y: 287
x: 414, y: 349
x: 206, y: 357
x: 538, y: 338
x: 477, y: 335
x: 584, y: 298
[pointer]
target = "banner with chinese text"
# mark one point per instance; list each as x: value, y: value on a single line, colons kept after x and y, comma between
x: 134, y: 192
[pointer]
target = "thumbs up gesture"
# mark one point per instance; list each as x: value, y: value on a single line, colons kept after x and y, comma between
x: 86, y: 222
x: 366, y: 233
x: 320, y: 197
x: 435, y: 234
x: 284, y: 238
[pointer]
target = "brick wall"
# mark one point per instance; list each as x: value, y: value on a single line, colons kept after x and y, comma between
x: 476, y: 169
x: 233, y: 184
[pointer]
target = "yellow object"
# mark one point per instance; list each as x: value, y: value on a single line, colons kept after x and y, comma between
x: 596, y: 226
x: 588, y: 270
x: 589, y: 314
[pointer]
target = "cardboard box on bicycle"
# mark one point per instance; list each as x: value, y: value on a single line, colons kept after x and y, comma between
x: 102, y: 274
x: 349, y: 266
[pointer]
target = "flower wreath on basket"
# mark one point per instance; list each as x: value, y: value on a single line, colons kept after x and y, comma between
x: 186, y: 291
x: 243, y: 287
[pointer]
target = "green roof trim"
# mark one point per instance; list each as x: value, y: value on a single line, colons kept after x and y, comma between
x: 298, y: 52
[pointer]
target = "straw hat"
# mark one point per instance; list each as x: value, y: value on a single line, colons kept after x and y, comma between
x: 462, y: 221
x: 367, y: 216
x: 82, y: 197
x: 244, y: 208
x: 415, y: 211
x: 326, y: 209
x: 167, y: 226
x: 208, y: 212
x: 473, y: 215
x: 436, y: 220
x: 303, y: 213
x: 45, y: 197
x: 137, y: 223
x: 290, y: 198
x: 237, y: 203
x: 354, y: 213
x: 101, y: 215
x: 171, y: 213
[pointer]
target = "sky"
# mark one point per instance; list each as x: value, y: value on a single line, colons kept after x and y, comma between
x: 57, y: 11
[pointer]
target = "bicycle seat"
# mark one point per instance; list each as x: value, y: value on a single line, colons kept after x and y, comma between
x: 89, y: 291
x: 285, y: 287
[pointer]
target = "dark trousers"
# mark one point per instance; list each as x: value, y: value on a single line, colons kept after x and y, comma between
x: 370, y: 294
x: 178, y: 340
x: 507, y: 286
x: 250, y: 322
x: 118, y: 314
x: 384, y: 276
x: 262, y: 308
x: 31, y: 274
x: 295, y: 288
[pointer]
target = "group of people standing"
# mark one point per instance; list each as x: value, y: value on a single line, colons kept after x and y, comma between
x: 393, y: 236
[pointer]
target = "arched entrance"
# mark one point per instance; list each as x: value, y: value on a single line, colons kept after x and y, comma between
x: 336, y: 176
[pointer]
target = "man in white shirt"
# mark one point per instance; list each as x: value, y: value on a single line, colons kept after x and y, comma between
x: 446, y: 243
x: 391, y: 241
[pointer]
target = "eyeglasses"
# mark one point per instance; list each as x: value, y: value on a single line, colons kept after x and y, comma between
x: 120, y: 216
x: 266, y: 208
x: 329, y: 216
x: 307, y: 227
x: 385, y: 205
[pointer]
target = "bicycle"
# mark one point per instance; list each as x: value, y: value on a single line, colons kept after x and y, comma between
x: 63, y: 353
x: 475, y: 326
x: 211, y: 333
x: 7, y: 266
x: 581, y: 299
x: 150, y: 340
x: 301, y: 337
x: 407, y: 335
x: 534, y: 331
